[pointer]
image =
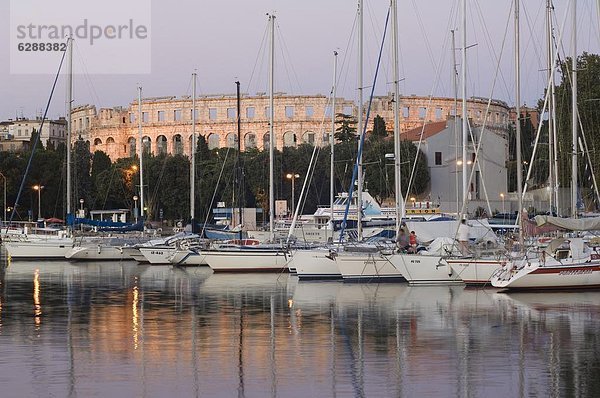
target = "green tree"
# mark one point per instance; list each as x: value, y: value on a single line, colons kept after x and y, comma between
x: 346, y: 128
x: 379, y: 129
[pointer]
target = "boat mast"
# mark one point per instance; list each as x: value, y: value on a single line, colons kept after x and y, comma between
x: 397, y: 160
x: 239, y: 165
x: 456, y: 140
x: 360, y: 120
x: 550, y: 106
x: 574, y: 119
x: 140, y: 114
x: 332, y: 140
x: 553, y: 114
x: 465, y: 125
x: 193, y: 156
x: 518, y: 123
x: 271, y: 132
x: 69, y: 123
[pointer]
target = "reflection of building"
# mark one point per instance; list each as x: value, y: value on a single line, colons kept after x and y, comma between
x: 298, y: 119
x: 444, y: 159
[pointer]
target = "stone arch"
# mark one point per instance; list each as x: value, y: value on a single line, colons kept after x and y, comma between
x: 250, y: 140
x: 177, y: 144
x: 232, y: 140
x: 161, y: 145
x: 131, y: 144
x: 110, y: 140
x: 289, y: 139
x: 97, y: 141
x: 309, y: 137
x: 214, y: 141
x: 147, y: 144
x: 266, y: 141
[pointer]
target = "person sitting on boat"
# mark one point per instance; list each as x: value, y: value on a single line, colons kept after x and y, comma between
x: 412, y: 240
x: 463, y: 237
x: 402, y: 241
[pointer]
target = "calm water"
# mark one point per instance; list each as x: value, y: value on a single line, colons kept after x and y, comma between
x: 123, y: 330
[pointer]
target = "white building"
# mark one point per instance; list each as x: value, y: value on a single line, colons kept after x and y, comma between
x: 444, y: 159
x: 53, y: 131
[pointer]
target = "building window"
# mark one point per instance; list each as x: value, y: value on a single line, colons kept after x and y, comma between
x: 289, y: 111
x: 212, y: 113
x: 250, y: 112
x: 131, y: 117
x: 231, y: 113
x: 161, y: 116
x: 267, y: 110
x: 405, y: 112
x: 177, y: 144
x: 328, y: 111
x: 347, y: 110
x: 438, y: 158
x: 214, y: 141
x: 438, y: 113
x: 145, y: 117
x: 422, y: 112
x: 177, y: 114
x: 310, y: 111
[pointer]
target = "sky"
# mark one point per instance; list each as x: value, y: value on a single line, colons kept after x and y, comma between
x: 225, y: 41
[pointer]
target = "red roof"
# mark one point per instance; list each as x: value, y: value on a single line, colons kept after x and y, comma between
x: 430, y: 130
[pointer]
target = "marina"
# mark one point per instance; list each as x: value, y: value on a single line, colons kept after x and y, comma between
x: 124, y: 329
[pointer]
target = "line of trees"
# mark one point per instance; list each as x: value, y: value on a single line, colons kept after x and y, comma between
x: 104, y: 184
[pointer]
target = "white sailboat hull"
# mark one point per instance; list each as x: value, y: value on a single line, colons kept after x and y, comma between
x: 367, y: 267
x: 95, y: 253
x: 133, y: 253
x: 39, y: 249
x: 186, y: 257
x: 157, y: 255
x: 315, y: 264
x: 252, y: 260
x: 576, y: 275
x: 424, y: 270
x: 475, y: 271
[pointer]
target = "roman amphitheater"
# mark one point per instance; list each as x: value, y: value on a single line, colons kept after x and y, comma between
x: 167, y: 121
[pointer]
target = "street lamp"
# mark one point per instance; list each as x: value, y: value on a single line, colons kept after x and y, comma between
x: 293, y: 176
x: 4, y: 201
x: 39, y: 188
x: 135, y: 209
x: 502, y: 196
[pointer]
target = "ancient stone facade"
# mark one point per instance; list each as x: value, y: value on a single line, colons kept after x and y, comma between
x: 167, y: 121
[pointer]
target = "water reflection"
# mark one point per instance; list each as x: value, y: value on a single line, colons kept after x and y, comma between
x: 121, y: 329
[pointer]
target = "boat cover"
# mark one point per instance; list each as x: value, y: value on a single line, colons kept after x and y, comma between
x: 571, y: 224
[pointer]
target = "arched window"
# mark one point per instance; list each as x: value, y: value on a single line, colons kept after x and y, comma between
x: 147, y: 145
x: 131, y: 143
x: 309, y: 138
x: 161, y: 145
x: 250, y: 141
x: 266, y: 141
x: 214, y: 141
x: 97, y: 141
x: 232, y: 140
x: 177, y: 144
x: 110, y: 140
x: 289, y: 138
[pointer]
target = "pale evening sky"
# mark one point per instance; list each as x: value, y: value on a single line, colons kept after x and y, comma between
x: 222, y: 40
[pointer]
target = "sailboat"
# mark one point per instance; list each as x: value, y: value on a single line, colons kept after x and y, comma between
x: 51, y: 243
x: 567, y: 262
x: 252, y: 258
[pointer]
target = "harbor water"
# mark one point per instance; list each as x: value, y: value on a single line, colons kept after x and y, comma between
x: 125, y: 330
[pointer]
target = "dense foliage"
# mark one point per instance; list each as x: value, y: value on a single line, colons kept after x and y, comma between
x: 103, y: 184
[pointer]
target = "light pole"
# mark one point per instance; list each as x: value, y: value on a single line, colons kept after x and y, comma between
x: 81, y: 202
x: 4, y: 201
x: 135, y: 209
x: 502, y: 196
x: 293, y: 176
x: 39, y: 188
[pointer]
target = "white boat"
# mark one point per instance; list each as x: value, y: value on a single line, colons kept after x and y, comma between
x: 575, y: 266
x: 367, y: 264
x: 316, y: 263
x: 476, y: 271
x: 427, y: 267
x: 158, y: 255
x: 96, y: 252
x: 247, y: 259
x: 51, y: 248
x: 188, y: 257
